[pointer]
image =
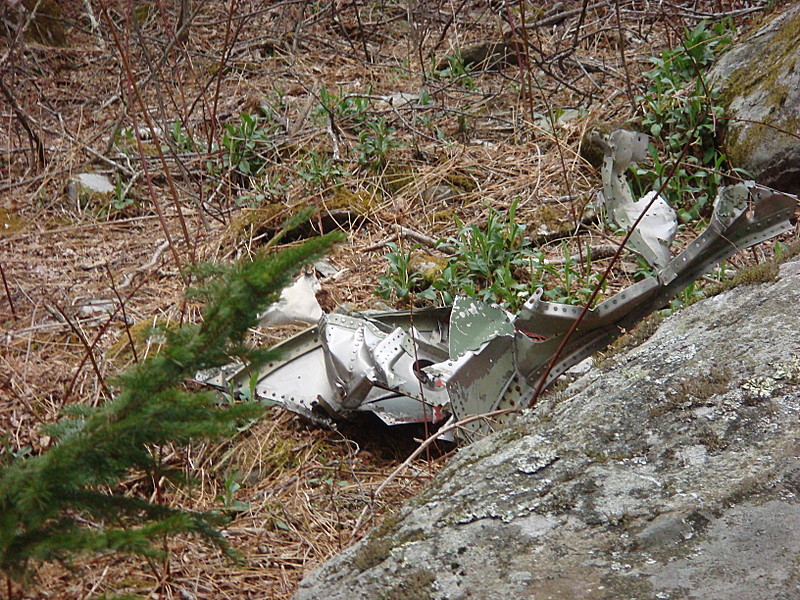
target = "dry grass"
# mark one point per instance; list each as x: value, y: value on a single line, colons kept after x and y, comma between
x: 305, y: 487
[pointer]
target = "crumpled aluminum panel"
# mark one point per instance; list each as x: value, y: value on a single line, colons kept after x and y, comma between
x: 658, y: 226
x: 745, y: 214
x: 431, y: 364
x: 373, y: 362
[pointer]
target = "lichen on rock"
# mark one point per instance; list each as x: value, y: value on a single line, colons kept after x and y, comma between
x: 759, y: 81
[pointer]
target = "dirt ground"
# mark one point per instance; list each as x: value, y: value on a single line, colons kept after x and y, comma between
x: 110, y: 89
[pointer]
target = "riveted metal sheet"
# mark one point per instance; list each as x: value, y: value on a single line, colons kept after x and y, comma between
x: 427, y: 364
x: 473, y: 323
x: 479, y: 379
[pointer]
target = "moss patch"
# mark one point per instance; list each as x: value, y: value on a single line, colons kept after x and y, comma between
x: 764, y: 273
x: 776, y: 60
x: 415, y: 585
x: 780, y: 49
x: 636, y: 337
x: 705, y: 387
x: 372, y: 553
x: 121, y: 354
x: 267, y: 217
x: 694, y: 391
x: 461, y: 182
x: 427, y: 265
x: 592, y: 148
x: 360, y: 202
x: 381, y: 542
x: 398, y: 177
x: 9, y: 222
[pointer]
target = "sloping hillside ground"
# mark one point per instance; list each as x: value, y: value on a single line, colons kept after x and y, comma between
x: 194, y: 180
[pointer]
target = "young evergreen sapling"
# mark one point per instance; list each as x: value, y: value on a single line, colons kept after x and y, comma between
x: 47, y: 500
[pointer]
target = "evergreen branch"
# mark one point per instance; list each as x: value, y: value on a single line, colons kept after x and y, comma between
x: 41, y: 496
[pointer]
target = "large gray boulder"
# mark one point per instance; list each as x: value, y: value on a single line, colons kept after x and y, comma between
x: 759, y: 81
x: 670, y: 472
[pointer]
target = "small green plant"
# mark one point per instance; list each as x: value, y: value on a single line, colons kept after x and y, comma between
x: 228, y: 497
x: 688, y: 296
x: 125, y: 139
x: 575, y: 282
x: 181, y: 138
x: 121, y: 200
x: 271, y: 187
x: 245, y: 145
x: 682, y: 110
x: 400, y: 281
x: 375, y: 143
x: 320, y: 171
x: 344, y: 109
x: 457, y: 72
x: 495, y: 263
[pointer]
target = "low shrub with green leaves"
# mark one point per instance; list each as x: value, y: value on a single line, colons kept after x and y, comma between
x: 375, y: 142
x: 67, y: 499
x: 496, y: 262
x: 247, y: 145
x: 681, y: 109
x: 346, y: 110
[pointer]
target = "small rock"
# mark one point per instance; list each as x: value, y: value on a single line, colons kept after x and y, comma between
x: 398, y: 100
x: 437, y: 193
x: 427, y: 265
x: 87, y: 187
x: 99, y: 306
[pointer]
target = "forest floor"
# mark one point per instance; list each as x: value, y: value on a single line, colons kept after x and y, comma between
x: 369, y: 111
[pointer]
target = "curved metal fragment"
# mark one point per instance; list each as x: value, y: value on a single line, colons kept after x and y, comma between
x: 473, y: 358
x: 744, y: 214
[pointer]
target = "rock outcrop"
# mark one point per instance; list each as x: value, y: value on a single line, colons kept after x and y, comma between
x: 670, y: 472
x: 759, y: 80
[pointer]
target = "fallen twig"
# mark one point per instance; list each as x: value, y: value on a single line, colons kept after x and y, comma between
x: 596, y: 253
x: 401, y: 231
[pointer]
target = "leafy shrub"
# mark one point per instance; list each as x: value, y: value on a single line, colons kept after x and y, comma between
x: 245, y: 145
x: 682, y: 110
x: 496, y: 263
x: 320, y: 171
x: 374, y: 143
x: 344, y: 109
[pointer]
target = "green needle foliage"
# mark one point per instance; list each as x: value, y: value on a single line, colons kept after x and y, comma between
x: 49, y: 502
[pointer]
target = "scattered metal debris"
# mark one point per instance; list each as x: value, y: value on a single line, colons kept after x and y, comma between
x: 297, y: 305
x: 659, y: 225
x: 432, y: 364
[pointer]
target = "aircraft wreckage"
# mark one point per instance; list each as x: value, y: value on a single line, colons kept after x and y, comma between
x: 429, y: 365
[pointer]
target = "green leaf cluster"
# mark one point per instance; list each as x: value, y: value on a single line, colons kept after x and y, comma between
x: 495, y: 262
x: 247, y: 144
x: 63, y: 501
x: 681, y: 109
